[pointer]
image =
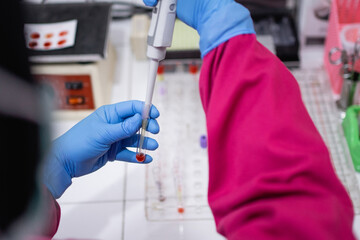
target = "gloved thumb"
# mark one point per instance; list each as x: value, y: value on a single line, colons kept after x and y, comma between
x: 125, y: 129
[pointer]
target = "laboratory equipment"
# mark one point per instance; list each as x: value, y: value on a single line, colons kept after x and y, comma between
x: 314, y: 21
x: 78, y: 73
x: 318, y: 99
x: 351, y: 131
x: 343, y: 32
x: 140, y: 24
x: 279, y: 26
x: 347, y: 58
x: 164, y: 177
x: 159, y: 38
x: 77, y: 89
x: 86, y: 24
x: 176, y: 183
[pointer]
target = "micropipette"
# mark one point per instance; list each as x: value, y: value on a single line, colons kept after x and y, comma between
x: 159, y: 38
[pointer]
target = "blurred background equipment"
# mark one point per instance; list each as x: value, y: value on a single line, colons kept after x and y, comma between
x: 343, y: 34
x: 276, y: 20
x: 314, y: 21
x: 71, y: 55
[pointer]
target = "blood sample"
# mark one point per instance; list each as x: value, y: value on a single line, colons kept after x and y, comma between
x: 61, y: 42
x: 140, y: 152
x: 161, y: 70
x: 140, y: 157
x: 35, y: 35
x: 47, y: 44
x: 32, y: 44
x: 181, y: 210
x: 193, y: 68
x: 49, y: 35
x: 63, y: 33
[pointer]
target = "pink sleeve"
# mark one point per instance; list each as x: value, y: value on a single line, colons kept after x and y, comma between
x: 51, y: 218
x: 270, y: 171
x: 52, y: 215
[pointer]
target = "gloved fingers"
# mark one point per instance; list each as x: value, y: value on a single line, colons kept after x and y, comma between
x: 130, y: 108
x: 129, y: 156
x: 153, y: 126
x: 150, y: 3
x: 125, y: 129
x: 117, y: 112
x: 149, y: 143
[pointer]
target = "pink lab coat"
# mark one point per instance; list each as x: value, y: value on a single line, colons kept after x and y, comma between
x: 270, y: 172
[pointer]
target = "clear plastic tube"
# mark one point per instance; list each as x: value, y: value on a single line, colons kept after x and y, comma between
x: 140, y: 152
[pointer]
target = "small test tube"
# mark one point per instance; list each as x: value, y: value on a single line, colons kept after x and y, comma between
x: 140, y: 151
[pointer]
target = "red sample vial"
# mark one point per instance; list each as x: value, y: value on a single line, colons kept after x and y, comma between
x: 140, y: 157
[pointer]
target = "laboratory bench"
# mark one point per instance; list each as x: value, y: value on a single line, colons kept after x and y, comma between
x: 110, y: 203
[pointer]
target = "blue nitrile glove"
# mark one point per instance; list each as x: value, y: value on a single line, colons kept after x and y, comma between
x: 101, y: 137
x: 215, y: 20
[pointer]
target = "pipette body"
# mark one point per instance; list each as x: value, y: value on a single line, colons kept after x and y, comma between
x: 159, y: 38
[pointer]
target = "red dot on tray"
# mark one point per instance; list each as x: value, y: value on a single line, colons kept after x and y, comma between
x: 35, y: 35
x: 63, y: 33
x: 47, y: 44
x: 193, y: 69
x: 32, y: 44
x: 62, y: 42
x: 181, y: 210
x: 49, y: 35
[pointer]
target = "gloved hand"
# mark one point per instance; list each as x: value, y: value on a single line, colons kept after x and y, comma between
x: 215, y: 20
x: 101, y: 137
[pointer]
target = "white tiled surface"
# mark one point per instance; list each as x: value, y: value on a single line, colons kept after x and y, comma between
x: 106, y: 184
x: 135, y: 182
x: 109, y: 204
x: 91, y: 221
x: 174, y: 230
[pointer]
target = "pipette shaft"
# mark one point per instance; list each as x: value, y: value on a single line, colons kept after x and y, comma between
x: 146, y: 111
x: 159, y: 38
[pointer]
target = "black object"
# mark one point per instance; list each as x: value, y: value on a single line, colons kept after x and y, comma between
x: 19, y: 139
x: 273, y: 18
x: 92, y: 30
x: 185, y: 54
x: 74, y: 85
x: 266, y: 5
